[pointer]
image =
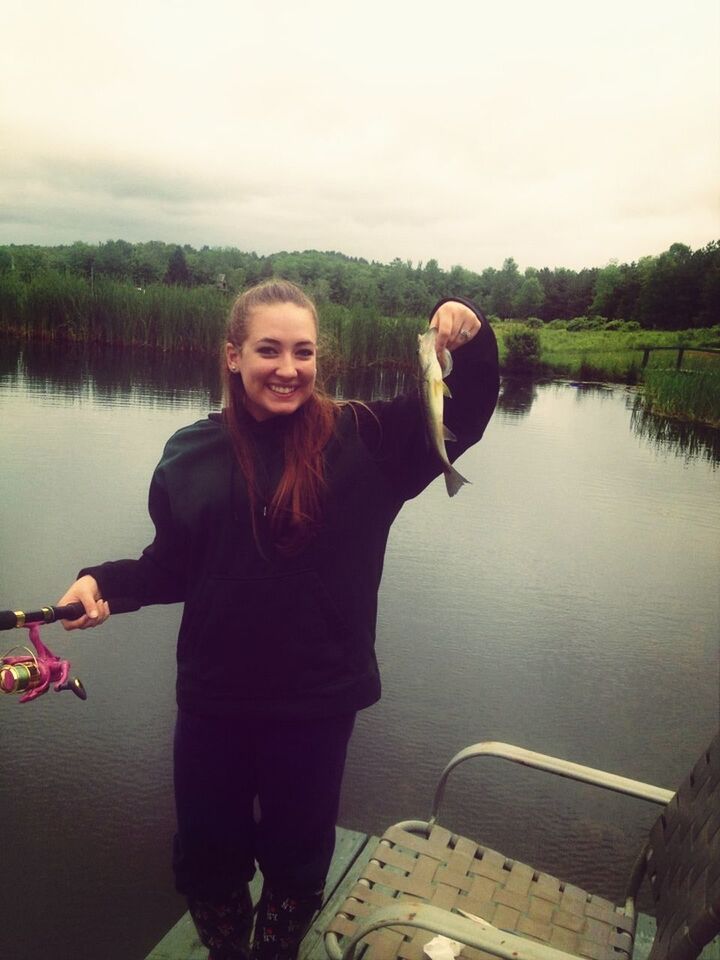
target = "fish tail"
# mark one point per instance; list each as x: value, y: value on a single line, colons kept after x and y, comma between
x: 453, y: 481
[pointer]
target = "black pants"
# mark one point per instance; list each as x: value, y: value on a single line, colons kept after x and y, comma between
x: 293, y: 767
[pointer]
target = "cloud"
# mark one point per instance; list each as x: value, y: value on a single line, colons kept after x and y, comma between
x: 546, y: 133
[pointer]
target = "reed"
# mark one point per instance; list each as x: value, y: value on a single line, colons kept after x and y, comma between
x: 684, y: 394
x: 62, y: 307
x: 359, y: 336
x: 692, y: 394
x: 12, y: 298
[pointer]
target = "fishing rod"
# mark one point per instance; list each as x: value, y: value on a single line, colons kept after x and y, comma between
x: 32, y: 672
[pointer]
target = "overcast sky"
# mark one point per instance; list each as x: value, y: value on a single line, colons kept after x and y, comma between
x: 562, y: 133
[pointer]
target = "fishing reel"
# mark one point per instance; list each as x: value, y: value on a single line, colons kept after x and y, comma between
x: 31, y: 674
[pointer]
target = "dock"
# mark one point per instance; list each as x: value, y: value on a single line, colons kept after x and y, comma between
x: 352, y: 852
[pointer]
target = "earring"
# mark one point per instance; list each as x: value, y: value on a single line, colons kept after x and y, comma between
x: 233, y: 368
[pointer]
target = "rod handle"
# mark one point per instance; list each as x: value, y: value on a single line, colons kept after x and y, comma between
x: 69, y: 611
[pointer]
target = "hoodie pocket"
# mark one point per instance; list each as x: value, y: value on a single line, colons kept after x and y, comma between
x: 267, y: 637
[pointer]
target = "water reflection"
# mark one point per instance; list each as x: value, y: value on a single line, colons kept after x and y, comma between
x: 685, y: 439
x: 517, y: 396
x: 370, y: 383
x: 107, y: 374
x: 691, y: 441
x: 103, y: 373
x: 589, y: 389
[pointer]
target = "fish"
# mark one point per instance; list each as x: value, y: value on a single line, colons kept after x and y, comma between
x: 434, y: 390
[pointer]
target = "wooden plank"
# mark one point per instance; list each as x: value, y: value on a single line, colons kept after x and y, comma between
x: 644, y: 936
x: 313, y: 947
x: 712, y: 950
x: 182, y: 942
x: 348, y: 846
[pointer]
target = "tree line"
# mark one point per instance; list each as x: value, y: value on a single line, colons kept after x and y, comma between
x: 678, y: 289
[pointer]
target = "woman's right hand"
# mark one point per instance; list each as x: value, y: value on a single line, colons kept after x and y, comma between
x: 85, y: 590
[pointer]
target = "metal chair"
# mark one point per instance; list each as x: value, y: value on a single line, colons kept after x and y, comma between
x: 424, y: 880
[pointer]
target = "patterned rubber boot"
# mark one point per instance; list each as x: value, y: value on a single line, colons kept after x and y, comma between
x: 224, y: 925
x: 282, y: 922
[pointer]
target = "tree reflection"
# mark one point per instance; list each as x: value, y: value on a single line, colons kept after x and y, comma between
x: 108, y: 374
x: 370, y: 383
x: 75, y: 371
x: 692, y: 441
x: 517, y: 396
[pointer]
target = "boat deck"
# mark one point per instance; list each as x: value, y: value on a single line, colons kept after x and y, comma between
x: 352, y: 851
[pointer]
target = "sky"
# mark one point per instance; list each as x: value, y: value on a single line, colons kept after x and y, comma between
x: 568, y: 133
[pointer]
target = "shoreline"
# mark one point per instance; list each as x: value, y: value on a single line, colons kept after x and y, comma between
x: 336, y: 366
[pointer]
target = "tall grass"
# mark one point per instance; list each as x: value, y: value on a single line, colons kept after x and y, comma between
x: 57, y: 307
x: 684, y: 394
x: 614, y: 354
x: 63, y: 307
x: 360, y: 337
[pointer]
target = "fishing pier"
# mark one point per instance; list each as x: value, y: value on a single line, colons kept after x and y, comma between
x: 353, y: 850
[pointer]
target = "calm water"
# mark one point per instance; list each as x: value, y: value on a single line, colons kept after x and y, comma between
x: 567, y: 601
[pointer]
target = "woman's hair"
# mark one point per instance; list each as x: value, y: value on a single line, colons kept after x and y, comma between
x: 294, y: 510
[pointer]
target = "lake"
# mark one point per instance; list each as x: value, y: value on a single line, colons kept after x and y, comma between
x: 567, y: 601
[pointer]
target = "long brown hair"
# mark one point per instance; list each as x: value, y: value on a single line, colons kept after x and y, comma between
x: 295, y: 507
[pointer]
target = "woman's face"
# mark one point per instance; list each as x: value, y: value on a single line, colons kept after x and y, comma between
x: 277, y: 361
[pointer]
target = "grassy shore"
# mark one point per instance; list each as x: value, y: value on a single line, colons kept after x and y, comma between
x: 59, y: 308
x: 692, y: 393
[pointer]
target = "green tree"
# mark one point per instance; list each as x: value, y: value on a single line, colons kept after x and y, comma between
x: 608, y: 291
x: 80, y: 259
x: 434, y: 280
x: 505, y: 285
x: 529, y: 298
x: 709, y: 258
x: 144, y: 268
x: 392, y: 288
x: 523, y: 350
x: 362, y: 291
x: 177, y: 272
x: 670, y: 291
x: 114, y: 259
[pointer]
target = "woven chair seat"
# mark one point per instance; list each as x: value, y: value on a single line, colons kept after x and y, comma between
x: 455, y: 873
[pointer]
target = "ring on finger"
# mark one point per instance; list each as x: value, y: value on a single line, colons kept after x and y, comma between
x: 464, y: 334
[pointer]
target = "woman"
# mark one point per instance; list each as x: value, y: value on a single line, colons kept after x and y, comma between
x: 271, y: 521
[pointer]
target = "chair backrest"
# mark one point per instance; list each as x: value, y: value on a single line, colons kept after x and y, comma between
x: 683, y: 863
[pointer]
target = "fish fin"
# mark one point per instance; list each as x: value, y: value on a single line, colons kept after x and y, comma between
x: 448, y: 434
x: 446, y: 389
x: 453, y: 481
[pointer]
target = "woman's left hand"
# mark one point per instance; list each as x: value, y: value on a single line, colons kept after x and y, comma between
x: 456, y: 325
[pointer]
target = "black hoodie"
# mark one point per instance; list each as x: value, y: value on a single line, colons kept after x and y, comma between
x: 270, y: 635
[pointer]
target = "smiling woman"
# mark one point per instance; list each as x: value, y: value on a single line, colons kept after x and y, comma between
x: 271, y: 521
x: 270, y: 369
x: 277, y: 359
